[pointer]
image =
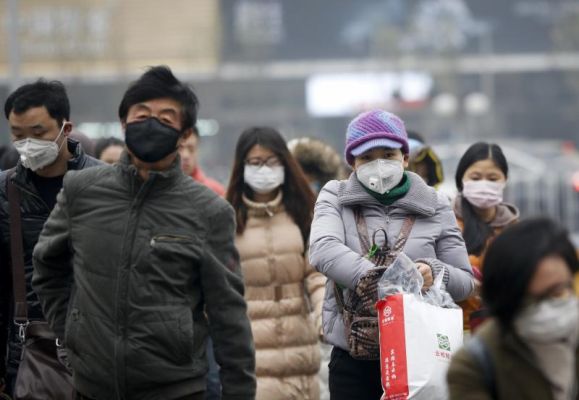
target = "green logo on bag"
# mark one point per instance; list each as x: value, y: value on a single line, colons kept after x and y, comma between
x: 443, y: 342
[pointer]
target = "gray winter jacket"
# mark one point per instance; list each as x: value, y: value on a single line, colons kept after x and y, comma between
x: 335, y: 248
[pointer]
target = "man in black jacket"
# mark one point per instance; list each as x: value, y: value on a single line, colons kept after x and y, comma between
x: 39, y: 118
x: 136, y: 265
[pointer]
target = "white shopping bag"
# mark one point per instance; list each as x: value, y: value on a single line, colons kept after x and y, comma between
x: 417, y: 340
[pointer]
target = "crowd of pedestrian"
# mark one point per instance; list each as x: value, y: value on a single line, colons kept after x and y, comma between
x: 133, y: 275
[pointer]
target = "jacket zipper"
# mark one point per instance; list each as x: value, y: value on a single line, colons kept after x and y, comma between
x: 123, y: 287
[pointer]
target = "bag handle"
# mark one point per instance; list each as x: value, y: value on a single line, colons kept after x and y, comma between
x: 362, y: 229
x: 17, y: 256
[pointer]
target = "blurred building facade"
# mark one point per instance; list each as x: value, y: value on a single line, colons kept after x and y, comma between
x: 498, y: 68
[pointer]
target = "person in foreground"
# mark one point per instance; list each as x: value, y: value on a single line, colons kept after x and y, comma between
x: 137, y: 264
x: 378, y: 197
x: 528, y: 349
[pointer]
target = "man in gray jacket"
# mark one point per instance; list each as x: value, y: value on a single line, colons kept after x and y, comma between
x: 137, y: 265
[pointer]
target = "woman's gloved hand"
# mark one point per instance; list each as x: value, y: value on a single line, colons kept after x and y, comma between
x: 426, y: 273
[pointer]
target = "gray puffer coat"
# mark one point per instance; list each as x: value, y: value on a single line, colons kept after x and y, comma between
x: 335, y: 247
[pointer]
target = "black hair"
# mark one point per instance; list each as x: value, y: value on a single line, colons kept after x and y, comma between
x: 476, y: 232
x: 104, y: 143
x: 512, y: 260
x: 50, y: 94
x: 298, y: 198
x: 159, y: 82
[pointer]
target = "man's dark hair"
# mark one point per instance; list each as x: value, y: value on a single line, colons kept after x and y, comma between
x: 159, y: 82
x: 50, y: 94
x: 512, y: 260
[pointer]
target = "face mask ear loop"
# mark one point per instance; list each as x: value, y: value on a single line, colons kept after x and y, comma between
x: 60, y: 133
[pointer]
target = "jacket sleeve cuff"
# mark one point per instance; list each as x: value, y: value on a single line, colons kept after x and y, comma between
x: 437, y: 267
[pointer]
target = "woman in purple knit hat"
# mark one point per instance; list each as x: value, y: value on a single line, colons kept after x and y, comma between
x: 380, y: 201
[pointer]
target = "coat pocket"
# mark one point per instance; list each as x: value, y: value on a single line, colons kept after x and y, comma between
x: 174, y: 248
x: 163, y: 341
x: 170, y: 262
x: 159, y: 240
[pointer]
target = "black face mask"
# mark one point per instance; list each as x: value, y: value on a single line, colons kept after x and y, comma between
x: 151, y: 140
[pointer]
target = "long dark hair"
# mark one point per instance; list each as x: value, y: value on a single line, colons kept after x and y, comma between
x: 512, y: 260
x: 298, y: 198
x: 476, y: 232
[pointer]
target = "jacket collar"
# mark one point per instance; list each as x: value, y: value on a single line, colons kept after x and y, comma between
x: 157, y: 179
x: 22, y: 176
x: 270, y: 208
x: 420, y: 199
x: 506, y: 213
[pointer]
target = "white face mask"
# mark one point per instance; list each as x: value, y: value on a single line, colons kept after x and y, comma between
x: 483, y: 194
x: 549, y: 321
x: 263, y: 179
x: 37, y: 153
x: 380, y: 175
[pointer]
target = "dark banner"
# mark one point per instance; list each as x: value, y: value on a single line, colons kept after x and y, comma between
x: 322, y: 29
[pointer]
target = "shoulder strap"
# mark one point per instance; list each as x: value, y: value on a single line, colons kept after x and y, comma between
x: 404, y: 233
x: 17, y: 253
x: 362, y: 229
x: 478, y: 349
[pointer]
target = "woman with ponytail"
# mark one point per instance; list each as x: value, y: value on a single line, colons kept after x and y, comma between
x: 481, y: 177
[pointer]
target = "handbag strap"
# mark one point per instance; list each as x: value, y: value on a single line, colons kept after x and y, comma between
x: 404, y: 233
x: 17, y: 256
x: 362, y: 229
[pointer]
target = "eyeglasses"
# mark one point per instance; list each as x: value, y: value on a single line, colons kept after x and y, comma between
x: 272, y: 161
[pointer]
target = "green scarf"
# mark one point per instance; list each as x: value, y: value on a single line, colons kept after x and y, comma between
x: 396, y: 193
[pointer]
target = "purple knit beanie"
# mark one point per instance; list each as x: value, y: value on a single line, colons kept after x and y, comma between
x: 373, y: 129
